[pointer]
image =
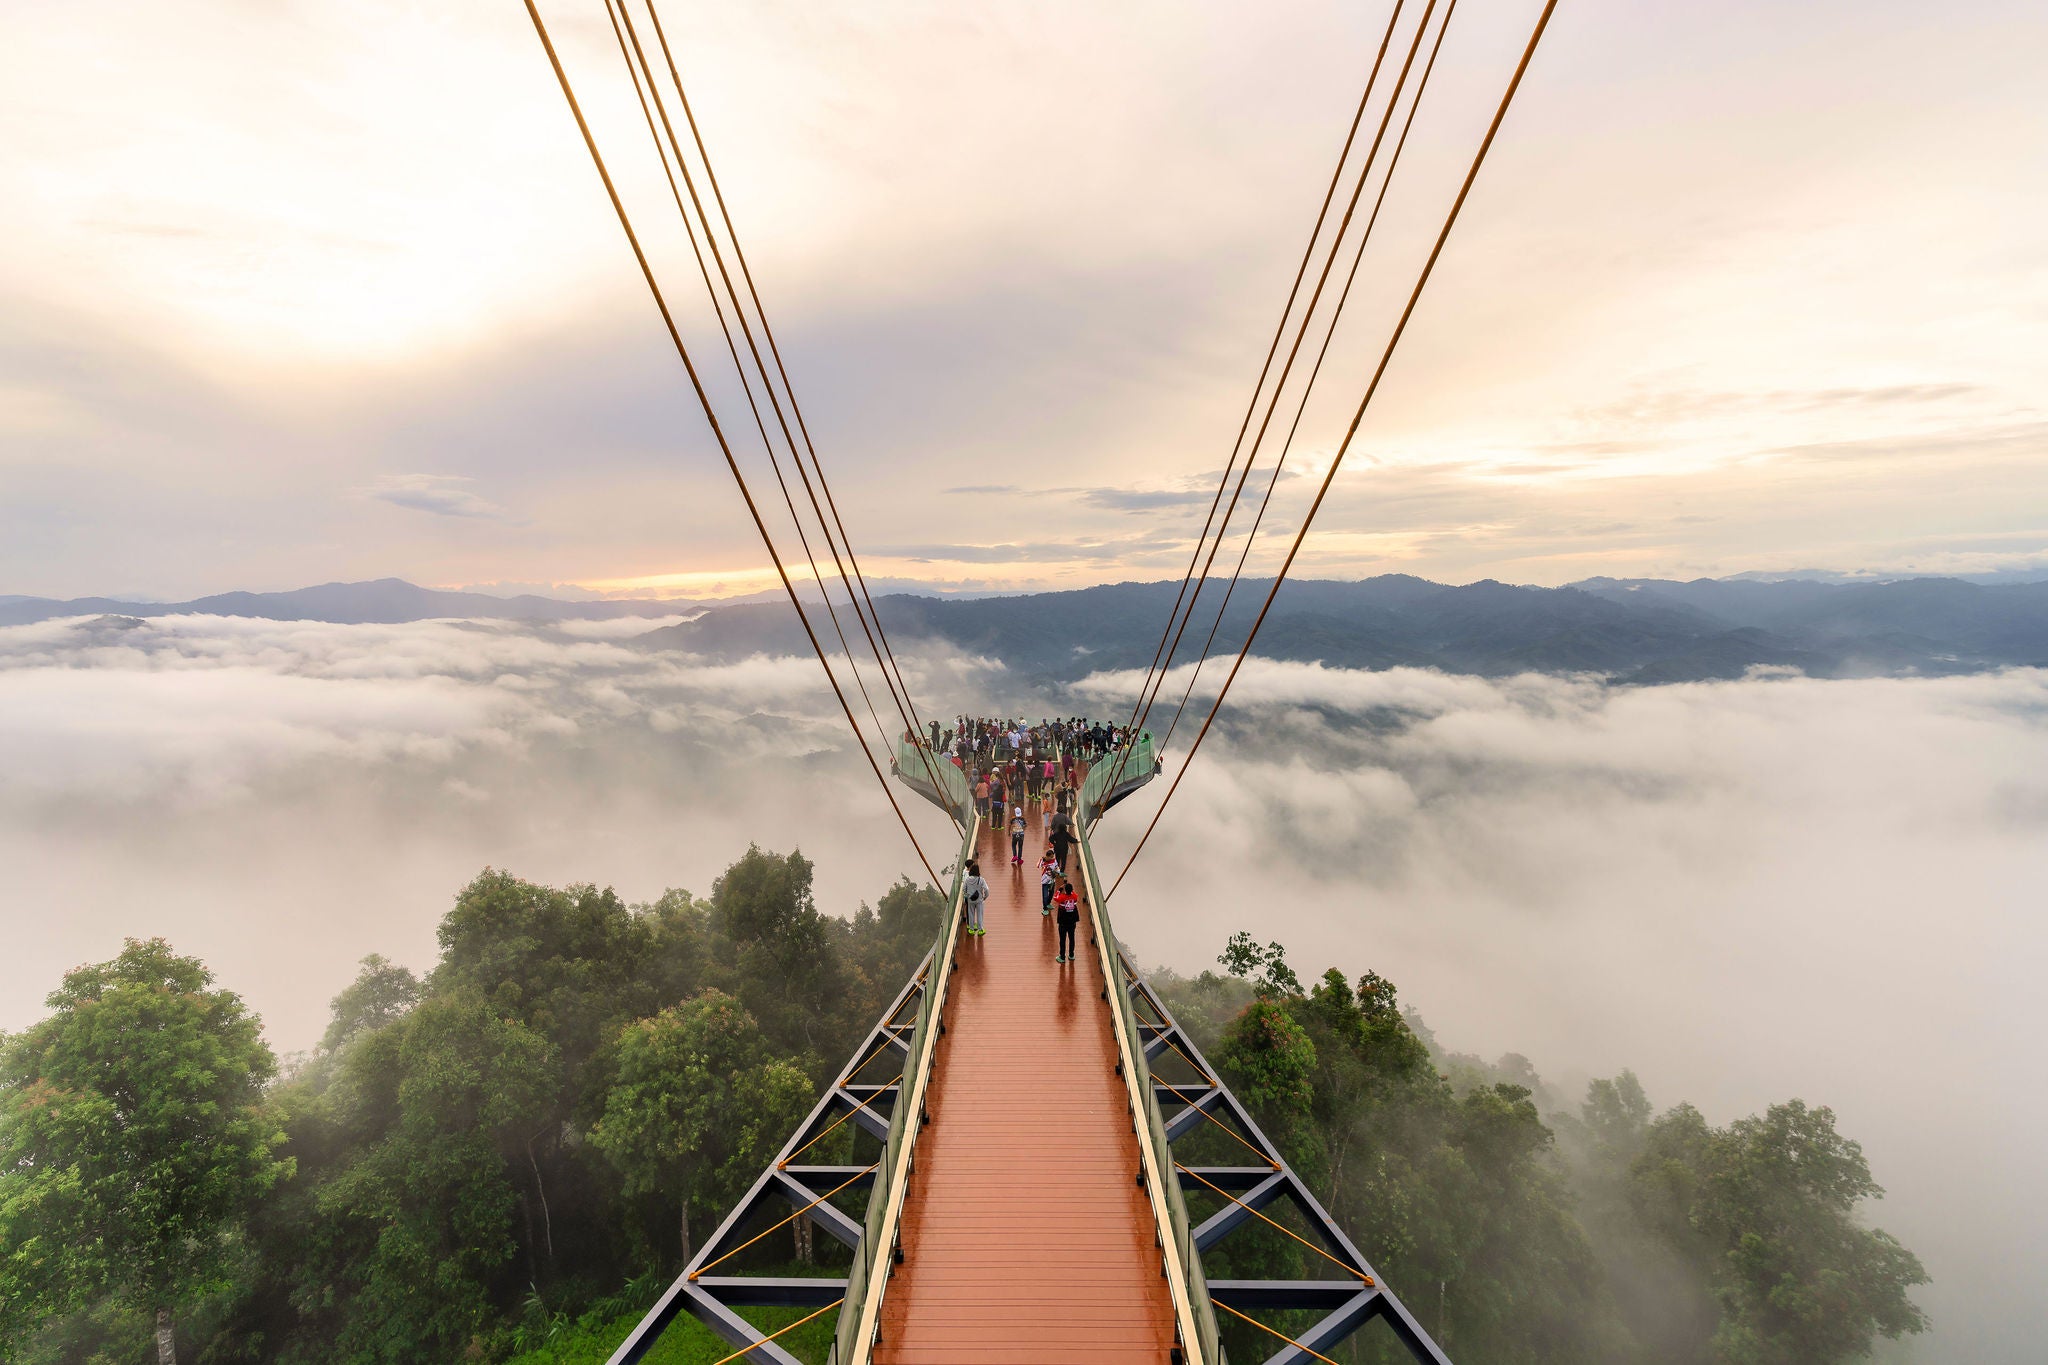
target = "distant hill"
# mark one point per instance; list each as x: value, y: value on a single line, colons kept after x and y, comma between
x: 1633, y: 630
x: 1630, y: 630
x: 385, y: 601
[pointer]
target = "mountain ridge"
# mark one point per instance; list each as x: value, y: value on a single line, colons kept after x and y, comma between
x: 1634, y: 630
x: 379, y: 601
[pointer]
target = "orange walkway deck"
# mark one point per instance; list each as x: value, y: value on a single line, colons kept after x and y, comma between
x: 1026, y: 1238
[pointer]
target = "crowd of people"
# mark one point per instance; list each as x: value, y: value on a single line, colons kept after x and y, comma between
x: 1015, y: 768
x: 985, y: 741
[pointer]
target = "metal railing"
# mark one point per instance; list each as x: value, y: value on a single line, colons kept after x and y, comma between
x: 1115, y: 774
x: 918, y: 765
x: 1182, y: 1262
x: 868, y: 1280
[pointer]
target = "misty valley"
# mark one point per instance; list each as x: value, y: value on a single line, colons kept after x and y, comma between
x: 459, y: 1158
x: 505, y: 1157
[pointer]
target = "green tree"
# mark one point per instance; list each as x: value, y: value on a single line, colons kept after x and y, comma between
x: 569, y: 963
x: 1266, y: 968
x: 1766, y: 1210
x: 1453, y: 1193
x: 133, y: 1139
x: 782, y: 958
x: 885, y: 945
x: 381, y: 992
x: 1660, y: 1294
x: 698, y: 1106
x: 418, y: 1216
x: 1274, y: 1061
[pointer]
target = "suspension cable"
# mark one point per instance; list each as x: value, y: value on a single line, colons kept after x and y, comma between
x: 1294, y: 351
x: 634, y: 70
x: 637, y: 65
x: 1329, y: 333
x: 821, y: 1312
x: 905, y: 711
x: 711, y: 416
x: 1337, y: 461
x: 775, y: 352
x: 1265, y: 368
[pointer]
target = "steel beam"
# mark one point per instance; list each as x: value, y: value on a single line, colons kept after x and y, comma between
x: 734, y: 1328
x: 762, y: 1291
x: 842, y: 1229
x: 1324, y: 1336
x: 1229, y: 1216
x: 1246, y: 1295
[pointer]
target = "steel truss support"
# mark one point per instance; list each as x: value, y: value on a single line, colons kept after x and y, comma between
x: 792, y: 1188
x: 1259, y: 1183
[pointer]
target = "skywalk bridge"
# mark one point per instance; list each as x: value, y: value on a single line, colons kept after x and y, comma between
x: 1026, y: 1164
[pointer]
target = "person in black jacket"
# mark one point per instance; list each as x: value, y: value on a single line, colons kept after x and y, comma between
x: 1062, y: 840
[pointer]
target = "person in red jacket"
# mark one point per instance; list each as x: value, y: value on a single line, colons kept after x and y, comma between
x: 1067, y: 914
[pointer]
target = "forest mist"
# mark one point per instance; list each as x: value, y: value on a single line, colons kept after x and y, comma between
x: 1744, y: 891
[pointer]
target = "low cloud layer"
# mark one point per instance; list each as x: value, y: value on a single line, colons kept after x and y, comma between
x: 1746, y: 891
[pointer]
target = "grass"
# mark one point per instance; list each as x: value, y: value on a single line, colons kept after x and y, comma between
x: 591, y: 1339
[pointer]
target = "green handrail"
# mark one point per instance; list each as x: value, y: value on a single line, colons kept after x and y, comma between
x: 879, y: 1229
x: 1207, y: 1346
x: 1113, y: 770
x: 918, y: 765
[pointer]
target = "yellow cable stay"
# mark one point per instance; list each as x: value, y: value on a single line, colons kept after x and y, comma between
x: 1256, y: 1323
x: 783, y: 1223
x: 1348, y: 1267
x: 749, y: 1350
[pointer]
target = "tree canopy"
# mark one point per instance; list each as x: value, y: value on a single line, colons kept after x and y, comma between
x: 476, y: 1152
x: 133, y: 1137
x: 1633, y: 1240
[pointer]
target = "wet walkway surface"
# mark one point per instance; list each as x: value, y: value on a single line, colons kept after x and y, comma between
x: 1026, y: 1238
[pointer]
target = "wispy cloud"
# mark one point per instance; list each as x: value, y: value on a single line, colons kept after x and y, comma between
x: 1129, y: 550
x: 1144, y: 499
x: 444, y: 495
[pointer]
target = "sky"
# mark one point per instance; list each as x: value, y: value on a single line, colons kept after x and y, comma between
x: 1746, y: 891
x: 297, y: 292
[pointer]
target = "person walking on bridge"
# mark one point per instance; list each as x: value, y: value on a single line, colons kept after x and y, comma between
x: 1068, y: 916
x: 1062, y: 840
x: 1017, y: 835
x: 974, y: 893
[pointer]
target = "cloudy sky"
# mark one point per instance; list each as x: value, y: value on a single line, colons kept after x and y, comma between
x: 294, y: 291
x: 301, y: 291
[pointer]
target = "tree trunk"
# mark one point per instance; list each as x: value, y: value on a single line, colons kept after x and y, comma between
x: 526, y: 1216
x: 806, y: 1241
x: 166, y: 1348
x: 547, y: 1219
x: 686, y: 1231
